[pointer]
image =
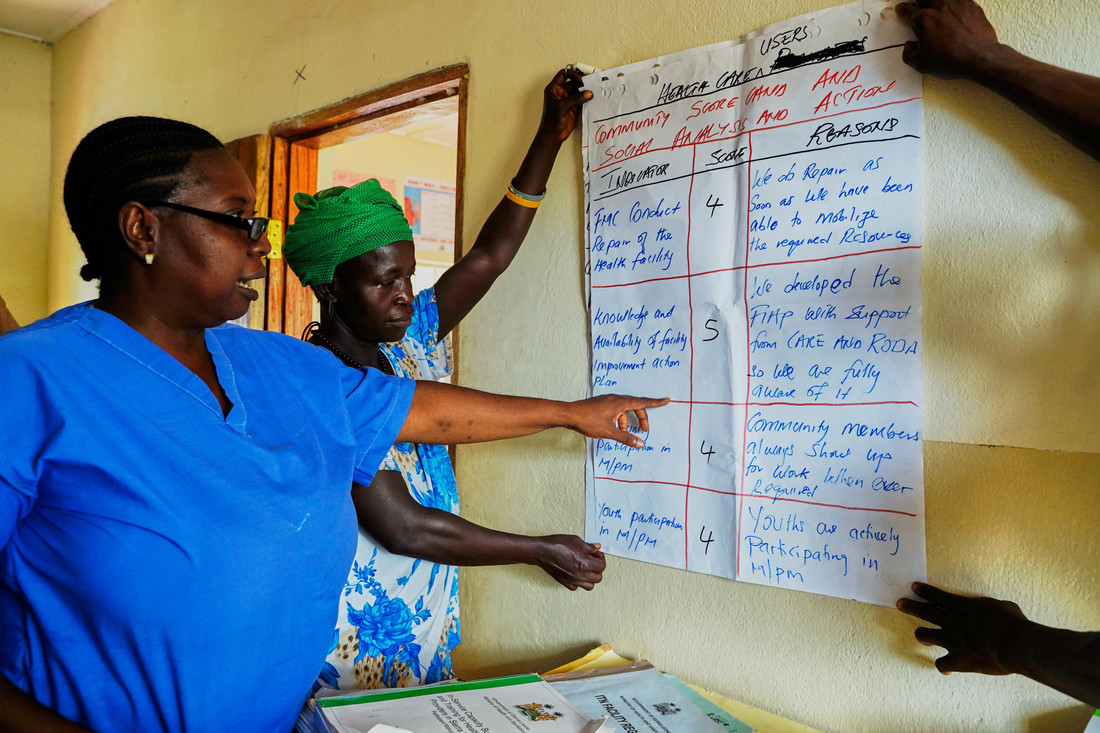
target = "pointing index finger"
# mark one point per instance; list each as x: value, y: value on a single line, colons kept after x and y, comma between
x: 643, y: 415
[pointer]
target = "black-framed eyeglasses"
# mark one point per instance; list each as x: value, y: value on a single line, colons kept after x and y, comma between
x: 256, y: 226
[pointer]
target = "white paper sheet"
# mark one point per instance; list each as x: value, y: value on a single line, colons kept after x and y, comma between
x: 753, y: 251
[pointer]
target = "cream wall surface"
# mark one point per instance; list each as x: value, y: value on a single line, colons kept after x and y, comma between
x: 1011, y: 322
x: 24, y: 174
x: 388, y: 155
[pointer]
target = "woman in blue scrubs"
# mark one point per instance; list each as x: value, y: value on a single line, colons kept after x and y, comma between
x: 175, y: 522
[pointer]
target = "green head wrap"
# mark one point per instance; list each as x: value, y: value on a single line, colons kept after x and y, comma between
x: 338, y: 224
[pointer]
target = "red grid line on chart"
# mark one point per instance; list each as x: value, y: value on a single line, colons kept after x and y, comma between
x: 745, y: 269
x: 757, y: 129
x: 691, y: 356
x: 794, y: 404
x: 772, y: 499
x: 748, y: 358
x: 762, y: 264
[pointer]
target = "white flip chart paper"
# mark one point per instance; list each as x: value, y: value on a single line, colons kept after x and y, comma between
x: 753, y: 252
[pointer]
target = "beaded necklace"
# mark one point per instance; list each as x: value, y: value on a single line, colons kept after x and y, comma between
x: 314, y: 329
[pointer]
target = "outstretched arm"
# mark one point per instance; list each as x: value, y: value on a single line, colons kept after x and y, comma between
x: 463, y: 285
x: 994, y: 637
x: 954, y: 39
x: 445, y: 413
x: 398, y: 523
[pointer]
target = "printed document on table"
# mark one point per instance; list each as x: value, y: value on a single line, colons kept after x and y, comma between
x: 640, y: 698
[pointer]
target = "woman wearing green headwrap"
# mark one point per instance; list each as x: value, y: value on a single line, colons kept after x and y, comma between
x: 399, y: 617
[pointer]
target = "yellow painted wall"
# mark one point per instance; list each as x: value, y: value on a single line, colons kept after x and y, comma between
x: 1011, y: 322
x: 388, y: 155
x: 24, y: 174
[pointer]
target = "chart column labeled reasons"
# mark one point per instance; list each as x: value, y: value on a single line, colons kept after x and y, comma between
x: 754, y: 217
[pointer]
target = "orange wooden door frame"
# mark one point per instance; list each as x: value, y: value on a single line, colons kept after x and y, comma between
x: 294, y: 165
x: 254, y: 153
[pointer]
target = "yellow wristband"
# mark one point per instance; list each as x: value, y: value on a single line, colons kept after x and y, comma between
x: 521, y: 201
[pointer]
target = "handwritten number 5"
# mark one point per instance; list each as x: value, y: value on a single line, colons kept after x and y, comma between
x: 711, y: 328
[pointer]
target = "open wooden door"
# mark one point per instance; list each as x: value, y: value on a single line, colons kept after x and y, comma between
x: 285, y: 162
x: 295, y: 159
x: 276, y: 167
x: 301, y: 177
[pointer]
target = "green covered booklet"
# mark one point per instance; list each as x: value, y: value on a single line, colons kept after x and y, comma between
x: 515, y: 704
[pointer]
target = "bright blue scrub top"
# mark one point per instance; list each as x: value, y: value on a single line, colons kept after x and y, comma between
x: 163, y: 567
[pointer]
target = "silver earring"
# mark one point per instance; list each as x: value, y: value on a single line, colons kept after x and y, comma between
x: 149, y: 258
x: 330, y: 309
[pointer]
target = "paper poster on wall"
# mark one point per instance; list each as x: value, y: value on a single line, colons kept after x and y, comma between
x: 753, y: 252
x: 430, y: 210
x: 341, y: 177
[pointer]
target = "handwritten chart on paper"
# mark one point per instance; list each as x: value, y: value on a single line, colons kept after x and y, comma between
x: 754, y: 230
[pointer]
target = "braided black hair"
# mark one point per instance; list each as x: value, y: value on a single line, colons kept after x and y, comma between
x: 128, y: 159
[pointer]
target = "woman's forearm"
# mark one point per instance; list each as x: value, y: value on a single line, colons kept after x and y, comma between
x: 444, y: 413
x: 460, y: 288
x: 446, y: 538
x: 388, y: 513
x: 1067, y: 101
x: 396, y: 521
x: 506, y: 227
x: 955, y: 39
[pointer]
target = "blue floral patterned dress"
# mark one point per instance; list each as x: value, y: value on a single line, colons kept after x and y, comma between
x: 399, y: 615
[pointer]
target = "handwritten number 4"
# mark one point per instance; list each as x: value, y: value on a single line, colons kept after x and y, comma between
x: 706, y: 542
x: 708, y: 454
x: 712, y: 206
